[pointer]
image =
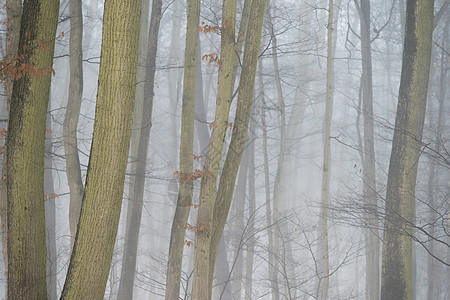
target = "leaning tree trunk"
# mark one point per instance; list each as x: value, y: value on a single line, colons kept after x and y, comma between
x: 25, y: 152
x: 406, y: 147
x: 185, y: 193
x: 135, y: 204
x: 94, y: 244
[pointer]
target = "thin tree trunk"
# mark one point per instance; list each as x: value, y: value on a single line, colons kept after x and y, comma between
x: 273, y: 277
x: 323, y: 263
x: 406, y: 147
x: 369, y: 177
x: 144, y: 123
x: 25, y: 154
x: 184, y: 201
x: 202, y: 287
x: 73, y: 169
x: 50, y: 212
x: 238, y: 224
x: 94, y: 244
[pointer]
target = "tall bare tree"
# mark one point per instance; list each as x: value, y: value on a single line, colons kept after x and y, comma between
x: 406, y: 147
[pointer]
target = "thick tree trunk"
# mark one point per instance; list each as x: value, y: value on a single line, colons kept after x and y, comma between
x: 94, y: 244
x: 144, y: 123
x: 73, y: 170
x: 185, y: 193
x: 406, y: 147
x: 25, y: 154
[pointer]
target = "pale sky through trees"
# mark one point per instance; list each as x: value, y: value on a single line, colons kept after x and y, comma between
x: 228, y: 136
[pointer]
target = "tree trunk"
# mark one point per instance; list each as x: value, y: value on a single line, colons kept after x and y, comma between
x: 25, y: 153
x: 273, y: 277
x: 184, y: 201
x: 323, y: 262
x: 50, y: 212
x: 13, y: 16
x: 144, y: 123
x: 94, y: 244
x: 369, y: 177
x: 249, y: 259
x: 73, y: 170
x: 406, y: 147
x: 202, y: 286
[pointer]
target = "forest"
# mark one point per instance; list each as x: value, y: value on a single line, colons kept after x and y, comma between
x: 225, y: 149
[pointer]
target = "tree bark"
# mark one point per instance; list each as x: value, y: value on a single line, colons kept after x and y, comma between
x: 25, y: 153
x: 94, y: 244
x: 400, y: 202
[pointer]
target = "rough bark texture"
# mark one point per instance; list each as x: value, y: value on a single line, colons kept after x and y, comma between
x: 135, y: 204
x: 73, y: 169
x: 13, y: 16
x: 201, y: 286
x: 240, y: 128
x: 100, y: 211
x: 25, y: 161
x: 397, y: 247
x: 186, y: 150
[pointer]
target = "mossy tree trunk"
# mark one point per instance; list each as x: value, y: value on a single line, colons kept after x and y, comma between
x: 186, y: 150
x: 25, y: 153
x: 406, y: 147
x: 94, y: 243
